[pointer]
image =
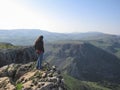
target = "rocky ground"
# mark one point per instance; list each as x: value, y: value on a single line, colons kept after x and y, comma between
x: 26, y: 77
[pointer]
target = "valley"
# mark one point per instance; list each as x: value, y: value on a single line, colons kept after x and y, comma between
x: 92, y: 60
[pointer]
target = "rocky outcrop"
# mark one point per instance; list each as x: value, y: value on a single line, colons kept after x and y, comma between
x: 5, y: 84
x: 26, y: 77
x: 17, y: 55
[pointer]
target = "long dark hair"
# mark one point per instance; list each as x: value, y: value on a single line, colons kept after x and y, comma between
x: 40, y: 38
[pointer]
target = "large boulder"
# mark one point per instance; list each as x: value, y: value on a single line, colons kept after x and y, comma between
x: 5, y: 84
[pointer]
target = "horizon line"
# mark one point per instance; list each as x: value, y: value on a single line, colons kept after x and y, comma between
x: 75, y: 32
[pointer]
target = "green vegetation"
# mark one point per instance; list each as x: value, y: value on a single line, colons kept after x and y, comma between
x: 74, y: 84
x: 108, y: 45
x: 118, y: 52
x: 19, y: 86
x: 7, y: 46
x: 96, y: 86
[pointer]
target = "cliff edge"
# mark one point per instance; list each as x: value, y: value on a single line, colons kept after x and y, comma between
x: 26, y: 77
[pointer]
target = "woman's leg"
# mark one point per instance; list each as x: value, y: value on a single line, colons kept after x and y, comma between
x: 37, y: 64
x: 39, y: 61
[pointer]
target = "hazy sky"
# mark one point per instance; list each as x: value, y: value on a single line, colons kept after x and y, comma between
x: 61, y: 15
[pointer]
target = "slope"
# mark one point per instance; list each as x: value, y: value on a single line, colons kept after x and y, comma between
x: 74, y: 84
x: 84, y: 61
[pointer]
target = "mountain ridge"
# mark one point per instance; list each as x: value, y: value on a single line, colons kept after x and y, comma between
x: 28, y: 36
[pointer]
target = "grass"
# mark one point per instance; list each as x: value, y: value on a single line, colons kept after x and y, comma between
x: 99, y: 44
x: 19, y: 86
x: 95, y: 85
x: 7, y: 46
x: 74, y: 84
x: 118, y: 53
x: 105, y: 45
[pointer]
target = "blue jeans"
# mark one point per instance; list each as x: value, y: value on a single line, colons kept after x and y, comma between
x: 39, y: 61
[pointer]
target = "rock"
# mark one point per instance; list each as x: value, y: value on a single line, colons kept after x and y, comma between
x: 3, y: 71
x: 23, y: 69
x: 60, y: 88
x: 52, y: 79
x: 44, y: 75
x: 59, y: 76
x: 46, y: 66
x: 35, y: 82
x: 5, y: 84
x: 26, y: 77
x: 17, y: 55
x: 50, y: 75
x: 55, y: 74
x: 27, y: 84
x: 29, y: 78
x: 11, y: 70
x: 40, y: 84
x: 54, y: 68
x: 58, y: 81
x: 47, y: 86
x: 63, y: 81
x: 59, y: 72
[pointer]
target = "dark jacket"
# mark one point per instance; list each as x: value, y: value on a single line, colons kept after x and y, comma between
x: 39, y: 46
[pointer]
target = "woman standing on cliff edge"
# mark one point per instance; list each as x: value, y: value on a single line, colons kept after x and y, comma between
x: 39, y: 48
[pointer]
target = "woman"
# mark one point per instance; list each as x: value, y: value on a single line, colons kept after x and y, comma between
x: 39, y: 47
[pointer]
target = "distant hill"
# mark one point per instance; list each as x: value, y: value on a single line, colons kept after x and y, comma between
x: 28, y: 36
x: 23, y: 37
x: 110, y: 44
